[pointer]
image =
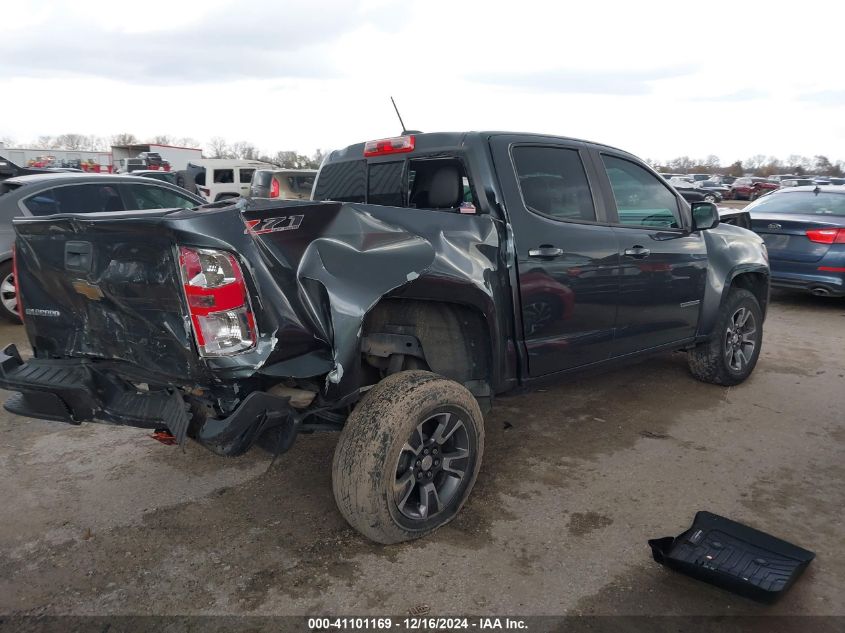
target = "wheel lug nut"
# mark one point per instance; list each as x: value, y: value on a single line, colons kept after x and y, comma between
x: 437, y: 462
x: 434, y: 451
x: 425, y: 451
x: 419, y: 463
x: 419, y: 475
x: 428, y: 474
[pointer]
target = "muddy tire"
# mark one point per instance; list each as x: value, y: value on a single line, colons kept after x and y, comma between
x: 731, y: 354
x: 408, y: 456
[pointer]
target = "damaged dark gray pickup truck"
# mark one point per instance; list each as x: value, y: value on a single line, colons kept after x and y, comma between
x: 429, y: 273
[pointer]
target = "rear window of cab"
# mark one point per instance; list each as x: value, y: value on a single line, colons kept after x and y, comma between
x: 397, y: 183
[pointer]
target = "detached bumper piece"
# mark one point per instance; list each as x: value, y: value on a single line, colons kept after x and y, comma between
x: 71, y: 390
x: 74, y: 391
x: 734, y: 557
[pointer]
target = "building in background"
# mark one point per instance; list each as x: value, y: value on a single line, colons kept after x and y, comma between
x: 177, y: 157
x: 101, y: 162
x: 77, y: 159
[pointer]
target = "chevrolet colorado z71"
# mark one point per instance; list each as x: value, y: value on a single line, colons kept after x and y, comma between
x: 428, y: 273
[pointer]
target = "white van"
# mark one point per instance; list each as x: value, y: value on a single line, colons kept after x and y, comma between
x: 218, y: 178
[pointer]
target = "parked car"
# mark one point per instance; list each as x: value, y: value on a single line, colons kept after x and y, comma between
x: 693, y: 193
x: 285, y: 184
x: 796, y: 182
x: 157, y: 174
x: 804, y: 230
x: 837, y: 181
x: 781, y: 177
x: 218, y: 179
x: 62, y: 193
x: 8, y: 169
x: 700, y: 177
x: 713, y: 191
x: 724, y: 180
x: 750, y: 188
x: 681, y: 181
x: 492, y: 261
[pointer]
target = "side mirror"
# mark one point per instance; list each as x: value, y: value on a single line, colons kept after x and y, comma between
x: 705, y: 215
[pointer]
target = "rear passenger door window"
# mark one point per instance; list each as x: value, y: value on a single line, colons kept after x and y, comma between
x: 88, y: 198
x: 642, y: 200
x: 42, y: 203
x: 246, y: 175
x: 553, y: 183
x: 144, y: 197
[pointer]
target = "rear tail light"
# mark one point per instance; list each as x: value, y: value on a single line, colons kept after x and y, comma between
x: 274, y: 188
x: 827, y: 236
x: 395, y: 145
x: 218, y: 301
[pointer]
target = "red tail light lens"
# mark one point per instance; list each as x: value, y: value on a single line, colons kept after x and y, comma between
x: 274, y: 188
x: 827, y: 236
x: 395, y: 145
x: 218, y: 301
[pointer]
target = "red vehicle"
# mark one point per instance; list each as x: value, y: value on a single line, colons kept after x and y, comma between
x: 750, y: 188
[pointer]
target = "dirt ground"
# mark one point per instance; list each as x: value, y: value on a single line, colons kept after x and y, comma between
x: 576, y: 478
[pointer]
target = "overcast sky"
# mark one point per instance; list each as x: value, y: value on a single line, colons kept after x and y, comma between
x: 660, y: 79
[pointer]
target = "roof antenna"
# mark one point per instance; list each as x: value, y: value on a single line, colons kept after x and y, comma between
x: 404, y: 130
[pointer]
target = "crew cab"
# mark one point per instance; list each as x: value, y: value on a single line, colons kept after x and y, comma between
x: 428, y: 274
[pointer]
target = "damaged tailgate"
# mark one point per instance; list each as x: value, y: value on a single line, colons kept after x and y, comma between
x: 105, y: 288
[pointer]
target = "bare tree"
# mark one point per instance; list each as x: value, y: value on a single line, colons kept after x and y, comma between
x: 44, y: 142
x: 822, y: 165
x: 219, y: 148
x: 72, y: 142
x: 162, y: 139
x: 186, y: 141
x: 244, y: 150
x: 736, y: 169
x: 681, y: 164
x: 712, y: 162
x: 125, y: 138
x: 755, y: 162
x: 293, y: 160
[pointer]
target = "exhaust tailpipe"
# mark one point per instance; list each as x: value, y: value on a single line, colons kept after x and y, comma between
x: 820, y: 291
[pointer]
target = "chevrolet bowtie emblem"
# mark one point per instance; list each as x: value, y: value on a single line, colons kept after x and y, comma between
x: 87, y: 289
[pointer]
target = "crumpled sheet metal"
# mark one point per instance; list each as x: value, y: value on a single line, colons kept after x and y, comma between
x: 362, y: 253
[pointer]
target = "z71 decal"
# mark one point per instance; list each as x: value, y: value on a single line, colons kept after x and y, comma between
x: 271, y: 225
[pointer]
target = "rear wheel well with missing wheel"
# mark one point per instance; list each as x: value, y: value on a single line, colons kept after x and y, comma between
x: 757, y: 284
x: 449, y: 339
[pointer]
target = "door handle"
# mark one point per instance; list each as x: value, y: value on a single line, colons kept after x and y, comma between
x: 545, y: 250
x: 637, y: 252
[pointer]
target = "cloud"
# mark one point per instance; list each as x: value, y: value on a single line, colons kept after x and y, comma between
x: 265, y: 40
x: 746, y: 94
x: 826, y: 97
x: 570, y: 81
